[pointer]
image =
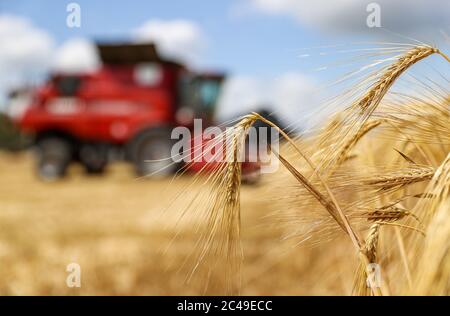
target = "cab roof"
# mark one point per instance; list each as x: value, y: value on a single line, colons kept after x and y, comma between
x: 131, y: 53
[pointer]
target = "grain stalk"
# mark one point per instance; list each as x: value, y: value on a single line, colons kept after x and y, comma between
x: 399, y: 178
x: 368, y: 103
x: 351, y: 143
x: 365, y: 282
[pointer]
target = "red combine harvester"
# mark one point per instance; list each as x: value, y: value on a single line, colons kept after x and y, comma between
x: 130, y: 104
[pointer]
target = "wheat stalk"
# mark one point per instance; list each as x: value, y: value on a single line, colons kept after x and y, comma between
x: 433, y: 271
x: 366, y: 105
x: 399, y: 178
x: 373, y: 97
x: 351, y: 143
x: 387, y: 214
x: 363, y: 285
x: 219, y: 243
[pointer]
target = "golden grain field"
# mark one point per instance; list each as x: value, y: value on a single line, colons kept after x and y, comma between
x: 367, y: 189
x: 112, y: 227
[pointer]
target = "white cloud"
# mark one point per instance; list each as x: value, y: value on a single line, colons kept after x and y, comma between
x: 241, y: 94
x: 288, y: 96
x: 22, y: 44
x: 292, y: 95
x: 349, y: 16
x: 28, y: 53
x: 76, y: 55
x: 25, y: 52
x: 179, y: 39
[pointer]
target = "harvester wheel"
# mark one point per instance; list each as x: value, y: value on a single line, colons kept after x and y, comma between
x: 53, y: 157
x: 94, y: 158
x: 150, y: 153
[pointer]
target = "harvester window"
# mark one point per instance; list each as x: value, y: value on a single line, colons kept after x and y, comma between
x: 199, y: 94
x: 209, y: 92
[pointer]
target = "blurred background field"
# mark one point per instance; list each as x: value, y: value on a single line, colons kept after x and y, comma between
x: 112, y: 226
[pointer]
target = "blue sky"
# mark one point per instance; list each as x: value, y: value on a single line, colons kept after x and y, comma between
x: 257, y: 42
x: 247, y: 43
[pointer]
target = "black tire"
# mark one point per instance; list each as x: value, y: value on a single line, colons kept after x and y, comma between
x: 150, y: 153
x: 54, y: 155
x: 94, y: 158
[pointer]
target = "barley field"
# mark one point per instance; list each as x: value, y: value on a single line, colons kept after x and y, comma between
x: 358, y: 206
x: 112, y: 226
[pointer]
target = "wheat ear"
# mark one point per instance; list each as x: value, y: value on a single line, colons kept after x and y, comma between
x: 364, y: 283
